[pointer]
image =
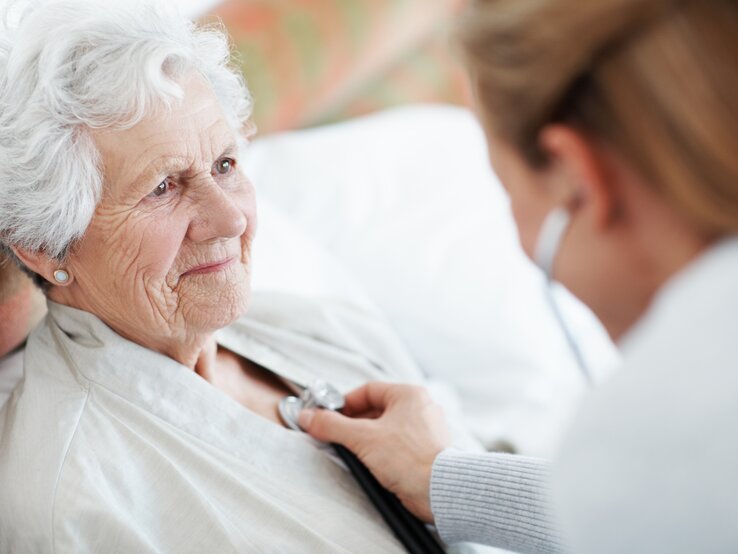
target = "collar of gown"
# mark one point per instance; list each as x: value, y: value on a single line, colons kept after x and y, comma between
x: 162, y: 387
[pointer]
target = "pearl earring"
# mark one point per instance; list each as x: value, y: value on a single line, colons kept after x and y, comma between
x: 61, y: 276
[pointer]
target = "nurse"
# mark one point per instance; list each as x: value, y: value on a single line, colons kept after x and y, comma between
x: 620, y: 118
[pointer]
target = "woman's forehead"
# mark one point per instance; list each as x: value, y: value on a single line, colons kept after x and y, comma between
x: 194, y: 131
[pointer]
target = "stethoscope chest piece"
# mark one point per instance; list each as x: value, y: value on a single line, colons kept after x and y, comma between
x: 289, y: 411
x: 319, y: 394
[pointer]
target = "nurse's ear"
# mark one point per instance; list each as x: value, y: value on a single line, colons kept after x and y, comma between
x: 579, y: 172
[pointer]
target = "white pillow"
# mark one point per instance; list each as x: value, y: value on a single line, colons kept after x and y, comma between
x: 407, y: 201
x: 286, y: 259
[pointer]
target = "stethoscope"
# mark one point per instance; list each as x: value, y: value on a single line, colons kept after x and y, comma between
x: 413, y: 534
x: 410, y: 531
x: 552, y: 232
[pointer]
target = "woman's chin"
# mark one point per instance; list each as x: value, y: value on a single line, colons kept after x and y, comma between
x: 217, y: 304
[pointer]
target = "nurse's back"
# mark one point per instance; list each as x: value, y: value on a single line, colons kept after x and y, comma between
x: 650, y: 464
x: 625, y: 115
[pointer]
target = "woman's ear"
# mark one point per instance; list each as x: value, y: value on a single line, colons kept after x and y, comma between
x: 48, y: 268
x: 581, y: 173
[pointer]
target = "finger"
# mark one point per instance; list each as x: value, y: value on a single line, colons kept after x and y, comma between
x: 329, y: 426
x: 371, y: 414
x: 371, y: 397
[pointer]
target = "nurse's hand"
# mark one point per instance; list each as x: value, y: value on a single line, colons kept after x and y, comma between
x: 396, y: 431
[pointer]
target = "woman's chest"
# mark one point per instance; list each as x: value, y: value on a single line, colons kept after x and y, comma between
x: 189, y: 485
x: 250, y: 385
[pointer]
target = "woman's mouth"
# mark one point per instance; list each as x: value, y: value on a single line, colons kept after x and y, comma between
x: 209, y: 267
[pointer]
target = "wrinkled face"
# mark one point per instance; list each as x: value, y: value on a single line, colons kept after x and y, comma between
x: 167, y: 253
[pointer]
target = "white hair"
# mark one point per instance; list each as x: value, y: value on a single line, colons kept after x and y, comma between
x: 70, y: 66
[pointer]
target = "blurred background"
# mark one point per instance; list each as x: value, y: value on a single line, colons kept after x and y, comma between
x: 312, y: 62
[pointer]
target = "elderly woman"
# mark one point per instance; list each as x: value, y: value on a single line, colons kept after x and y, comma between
x: 122, y: 197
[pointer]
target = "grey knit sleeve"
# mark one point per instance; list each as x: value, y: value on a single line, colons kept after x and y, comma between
x: 499, y: 500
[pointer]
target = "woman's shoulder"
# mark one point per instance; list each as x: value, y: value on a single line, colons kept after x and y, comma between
x: 331, y: 328
x: 37, y: 427
x: 314, y: 314
x: 11, y: 372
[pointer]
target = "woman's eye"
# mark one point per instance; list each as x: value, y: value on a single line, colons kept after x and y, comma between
x: 224, y: 166
x: 160, y: 189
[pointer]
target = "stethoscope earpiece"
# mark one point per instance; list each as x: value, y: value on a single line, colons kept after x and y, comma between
x: 552, y: 232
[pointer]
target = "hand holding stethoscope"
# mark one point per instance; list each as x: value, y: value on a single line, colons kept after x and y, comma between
x: 325, y: 398
x: 397, y: 431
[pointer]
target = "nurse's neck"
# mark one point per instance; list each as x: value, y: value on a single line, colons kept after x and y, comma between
x: 656, y: 245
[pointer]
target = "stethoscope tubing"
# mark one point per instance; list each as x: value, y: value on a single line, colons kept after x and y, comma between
x: 409, y: 530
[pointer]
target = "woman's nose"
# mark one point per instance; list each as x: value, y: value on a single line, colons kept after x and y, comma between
x: 217, y: 216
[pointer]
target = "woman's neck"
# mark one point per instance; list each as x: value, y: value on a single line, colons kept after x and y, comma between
x: 198, y: 353
x: 193, y: 348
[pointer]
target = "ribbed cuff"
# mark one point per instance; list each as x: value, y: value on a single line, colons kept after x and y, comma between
x: 499, y: 500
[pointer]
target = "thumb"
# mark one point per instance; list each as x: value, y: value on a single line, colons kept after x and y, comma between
x: 329, y: 426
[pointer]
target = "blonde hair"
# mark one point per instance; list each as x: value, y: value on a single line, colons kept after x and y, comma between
x: 655, y: 79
